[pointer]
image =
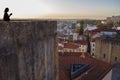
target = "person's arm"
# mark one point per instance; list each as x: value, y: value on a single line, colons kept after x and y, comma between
x: 10, y: 14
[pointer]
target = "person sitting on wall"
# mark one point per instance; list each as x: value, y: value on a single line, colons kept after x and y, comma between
x: 6, y: 16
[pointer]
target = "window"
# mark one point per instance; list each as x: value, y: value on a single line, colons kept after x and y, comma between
x: 73, y: 50
x: 65, y: 50
x: 93, y: 49
x: 82, y: 50
x: 92, y: 54
x: 104, y: 56
x: 82, y: 46
x: 93, y: 45
x: 70, y: 50
x: 115, y: 58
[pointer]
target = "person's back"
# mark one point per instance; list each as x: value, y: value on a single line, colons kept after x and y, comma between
x: 6, y: 17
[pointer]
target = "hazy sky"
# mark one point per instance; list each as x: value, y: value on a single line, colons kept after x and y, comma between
x: 61, y: 8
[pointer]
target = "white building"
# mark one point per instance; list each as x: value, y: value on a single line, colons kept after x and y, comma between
x: 118, y: 28
x: 113, y: 19
x: 89, y: 28
x: 73, y: 47
x: 82, y: 44
x: 75, y: 36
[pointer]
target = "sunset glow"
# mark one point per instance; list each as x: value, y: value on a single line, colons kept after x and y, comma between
x: 97, y: 9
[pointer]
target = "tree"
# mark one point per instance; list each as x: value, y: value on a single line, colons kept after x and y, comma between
x: 117, y: 23
x: 89, y: 47
x: 70, y: 39
x: 81, y: 28
x: 81, y: 31
x: 111, y: 24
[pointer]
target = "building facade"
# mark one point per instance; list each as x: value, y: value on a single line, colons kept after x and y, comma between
x: 72, y: 47
x: 92, y: 47
x: 108, y: 50
x: 113, y: 19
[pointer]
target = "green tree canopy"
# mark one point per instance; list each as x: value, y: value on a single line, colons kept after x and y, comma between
x: 81, y: 28
x: 117, y: 23
x: 81, y: 31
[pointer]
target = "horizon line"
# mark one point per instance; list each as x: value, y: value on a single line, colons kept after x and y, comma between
x: 59, y: 17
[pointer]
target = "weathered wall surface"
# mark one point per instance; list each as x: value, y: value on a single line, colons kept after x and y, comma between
x: 108, y: 50
x: 28, y: 50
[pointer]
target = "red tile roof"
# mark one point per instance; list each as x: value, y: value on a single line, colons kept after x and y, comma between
x: 71, y: 46
x: 82, y: 42
x: 60, y: 48
x: 104, y: 29
x: 97, y: 70
x: 100, y: 30
x: 62, y: 35
x: 92, y: 40
x: 60, y: 41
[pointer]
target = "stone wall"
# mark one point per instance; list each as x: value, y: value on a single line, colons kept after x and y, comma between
x: 28, y: 50
x: 107, y: 50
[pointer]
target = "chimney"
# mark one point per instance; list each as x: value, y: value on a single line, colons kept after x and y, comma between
x: 83, y: 55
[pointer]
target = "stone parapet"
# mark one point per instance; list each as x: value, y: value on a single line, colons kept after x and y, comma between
x: 28, y: 50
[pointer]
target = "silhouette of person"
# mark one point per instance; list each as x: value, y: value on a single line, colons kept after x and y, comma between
x: 6, y: 16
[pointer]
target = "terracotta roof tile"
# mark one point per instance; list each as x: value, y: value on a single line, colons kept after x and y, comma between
x: 104, y: 29
x: 97, y: 70
x: 71, y: 46
x: 62, y: 35
x: 82, y: 42
x: 60, y: 48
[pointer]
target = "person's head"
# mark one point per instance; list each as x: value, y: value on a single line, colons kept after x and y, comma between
x: 6, y: 9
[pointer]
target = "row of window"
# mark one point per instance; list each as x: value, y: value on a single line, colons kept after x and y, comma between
x: 115, y: 58
x: 74, y: 50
